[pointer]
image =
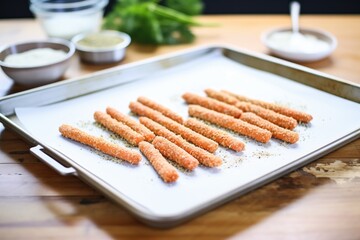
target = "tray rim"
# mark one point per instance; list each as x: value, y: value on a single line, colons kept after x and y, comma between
x: 209, y: 47
x: 139, y: 211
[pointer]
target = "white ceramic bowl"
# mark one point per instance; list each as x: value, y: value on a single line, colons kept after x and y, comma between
x: 37, y: 75
x: 298, y: 55
x: 102, y: 55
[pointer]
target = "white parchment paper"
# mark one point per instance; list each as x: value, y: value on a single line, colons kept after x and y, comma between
x: 334, y: 118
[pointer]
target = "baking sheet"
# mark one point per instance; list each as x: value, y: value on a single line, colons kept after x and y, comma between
x: 334, y: 118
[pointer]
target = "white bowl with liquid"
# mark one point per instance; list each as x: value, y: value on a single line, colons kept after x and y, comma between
x: 310, y: 45
x: 65, y: 19
x: 38, y: 69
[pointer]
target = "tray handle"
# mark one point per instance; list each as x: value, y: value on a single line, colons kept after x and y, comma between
x: 37, y: 152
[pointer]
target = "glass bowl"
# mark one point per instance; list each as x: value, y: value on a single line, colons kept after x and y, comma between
x: 67, y: 18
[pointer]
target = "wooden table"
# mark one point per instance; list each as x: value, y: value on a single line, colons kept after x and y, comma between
x: 319, y: 201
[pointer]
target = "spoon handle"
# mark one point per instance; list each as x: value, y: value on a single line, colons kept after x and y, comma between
x: 295, y: 12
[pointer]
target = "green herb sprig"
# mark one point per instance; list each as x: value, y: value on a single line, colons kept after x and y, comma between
x: 146, y: 21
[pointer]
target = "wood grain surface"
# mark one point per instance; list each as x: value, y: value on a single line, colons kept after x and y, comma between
x: 318, y: 201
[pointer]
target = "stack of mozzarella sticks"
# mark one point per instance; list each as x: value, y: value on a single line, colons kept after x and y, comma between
x: 161, y: 134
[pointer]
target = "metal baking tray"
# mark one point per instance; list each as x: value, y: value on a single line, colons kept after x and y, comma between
x: 35, y: 115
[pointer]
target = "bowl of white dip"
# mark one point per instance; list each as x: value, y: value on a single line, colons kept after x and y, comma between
x: 36, y: 63
x: 309, y: 45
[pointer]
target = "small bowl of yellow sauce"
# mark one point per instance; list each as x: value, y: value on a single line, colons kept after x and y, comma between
x: 102, y: 47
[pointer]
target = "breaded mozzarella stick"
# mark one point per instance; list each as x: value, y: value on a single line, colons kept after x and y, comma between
x: 212, y: 104
x: 165, y: 170
x: 276, y: 118
x: 298, y: 115
x: 231, y: 123
x: 191, y: 136
x: 162, y: 109
x: 221, y: 137
x: 277, y: 132
x: 221, y: 96
x: 271, y: 116
x: 204, y: 157
x: 100, y: 144
x: 119, y: 128
x: 175, y: 153
x: 127, y: 120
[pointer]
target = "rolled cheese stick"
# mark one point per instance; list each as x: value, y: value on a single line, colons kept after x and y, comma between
x: 204, y: 157
x: 160, y: 108
x: 127, y: 120
x: 175, y: 153
x: 221, y: 96
x: 165, y: 170
x: 276, y: 118
x: 100, y: 144
x: 212, y: 104
x: 221, y: 137
x: 191, y: 136
x: 117, y: 127
x: 231, y: 123
x: 277, y: 132
x: 298, y: 115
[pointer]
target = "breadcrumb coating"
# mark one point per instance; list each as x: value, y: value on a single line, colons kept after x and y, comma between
x: 274, y: 117
x: 160, y: 108
x: 221, y: 137
x: 165, y: 170
x: 212, y: 104
x: 231, y: 123
x: 277, y: 132
x: 100, y: 144
x: 204, y: 157
x: 127, y: 120
x: 298, y: 115
x: 188, y: 134
x: 175, y: 153
x: 119, y: 128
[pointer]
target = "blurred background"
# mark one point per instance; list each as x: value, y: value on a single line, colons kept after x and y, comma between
x: 20, y: 8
